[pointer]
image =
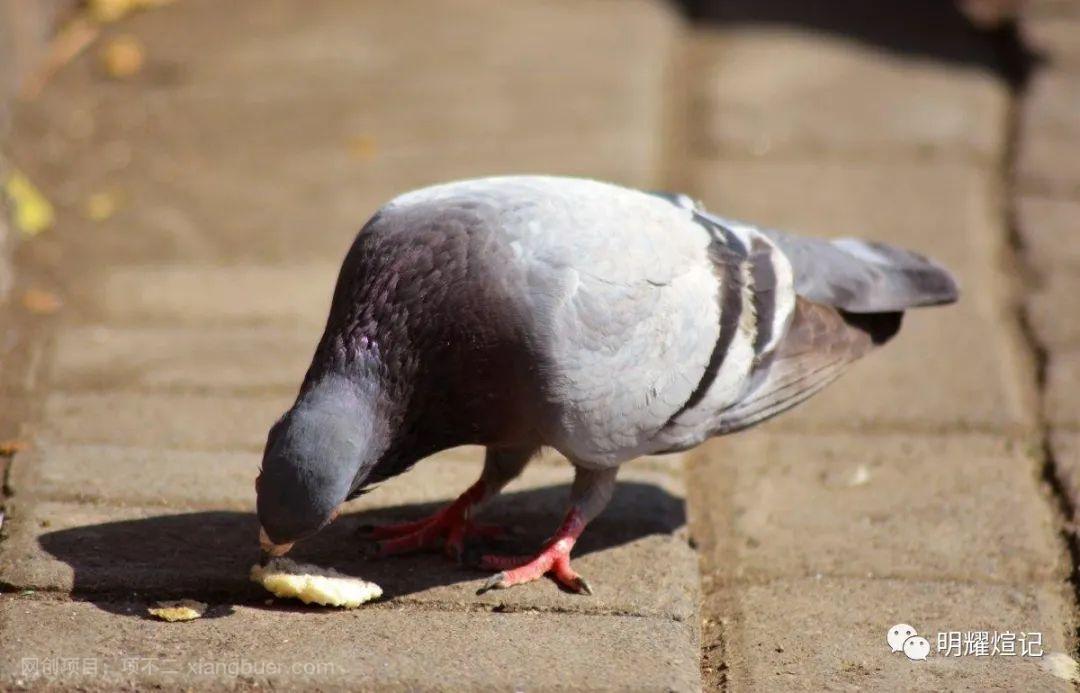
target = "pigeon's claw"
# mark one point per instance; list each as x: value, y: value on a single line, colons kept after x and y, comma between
x: 554, y: 559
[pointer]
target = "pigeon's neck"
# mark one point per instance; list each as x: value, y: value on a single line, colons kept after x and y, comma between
x: 351, y: 410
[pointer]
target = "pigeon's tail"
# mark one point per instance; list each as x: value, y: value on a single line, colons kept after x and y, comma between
x: 859, y: 276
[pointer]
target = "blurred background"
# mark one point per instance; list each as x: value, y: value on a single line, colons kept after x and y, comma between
x: 181, y: 178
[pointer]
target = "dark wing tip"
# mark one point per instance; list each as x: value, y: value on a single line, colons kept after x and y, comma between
x: 881, y: 327
x: 934, y: 286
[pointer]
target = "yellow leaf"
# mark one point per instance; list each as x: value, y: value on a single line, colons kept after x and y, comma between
x: 112, y: 10
x: 122, y: 57
x: 33, y: 213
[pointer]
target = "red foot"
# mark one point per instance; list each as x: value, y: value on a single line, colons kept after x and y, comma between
x: 554, y: 558
x: 450, y: 526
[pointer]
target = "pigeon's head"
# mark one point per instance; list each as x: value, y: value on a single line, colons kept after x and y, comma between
x: 315, y: 456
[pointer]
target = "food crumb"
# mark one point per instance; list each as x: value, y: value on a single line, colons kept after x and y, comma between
x: 183, y: 610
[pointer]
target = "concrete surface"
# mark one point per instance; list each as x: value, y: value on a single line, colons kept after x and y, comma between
x: 935, y: 484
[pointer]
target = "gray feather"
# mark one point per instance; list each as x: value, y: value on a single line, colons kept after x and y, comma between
x: 861, y: 276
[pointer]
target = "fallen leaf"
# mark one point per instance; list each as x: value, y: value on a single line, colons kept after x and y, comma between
x: 122, y: 57
x: 102, y: 205
x: 32, y: 211
x: 363, y: 147
x: 106, y: 11
x: 11, y: 447
x: 41, y: 302
x: 183, y: 610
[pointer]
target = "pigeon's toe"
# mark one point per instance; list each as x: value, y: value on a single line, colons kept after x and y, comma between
x: 553, y: 559
x: 495, y: 582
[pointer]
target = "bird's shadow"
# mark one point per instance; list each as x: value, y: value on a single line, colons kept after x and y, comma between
x: 207, y: 555
x: 931, y: 29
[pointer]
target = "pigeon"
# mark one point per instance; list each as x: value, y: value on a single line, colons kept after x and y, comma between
x: 607, y: 323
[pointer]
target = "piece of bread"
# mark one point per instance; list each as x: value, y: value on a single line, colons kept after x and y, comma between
x: 313, y: 585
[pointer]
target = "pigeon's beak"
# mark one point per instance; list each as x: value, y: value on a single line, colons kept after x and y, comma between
x: 271, y: 549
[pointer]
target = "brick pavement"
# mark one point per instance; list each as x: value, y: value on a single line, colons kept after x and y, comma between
x: 917, y: 489
x: 1046, y: 206
x: 190, y: 314
x: 911, y: 490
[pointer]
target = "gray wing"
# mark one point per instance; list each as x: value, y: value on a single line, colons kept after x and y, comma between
x: 820, y: 344
x: 861, y: 276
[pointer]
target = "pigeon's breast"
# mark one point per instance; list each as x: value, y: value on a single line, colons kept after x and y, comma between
x: 432, y: 296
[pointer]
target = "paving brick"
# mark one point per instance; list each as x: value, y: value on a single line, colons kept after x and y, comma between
x: 137, y: 476
x: 935, y: 371
x: 1062, y: 395
x: 891, y: 506
x: 235, y: 295
x: 182, y: 421
x: 376, y: 648
x: 199, y: 359
x: 788, y: 635
x: 635, y: 555
x: 1050, y: 130
x: 1050, y: 233
x: 1052, y: 309
x: 778, y: 92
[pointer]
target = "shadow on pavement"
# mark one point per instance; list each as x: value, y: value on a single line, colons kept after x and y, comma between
x: 932, y: 29
x: 207, y: 555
